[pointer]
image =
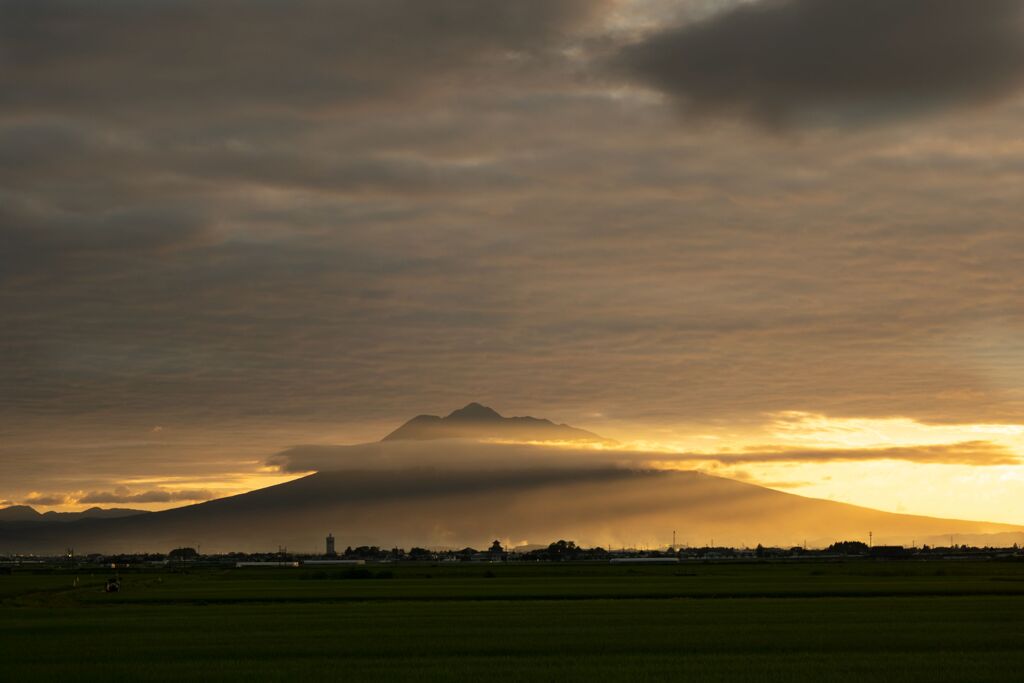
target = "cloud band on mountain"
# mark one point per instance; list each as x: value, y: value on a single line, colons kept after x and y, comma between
x: 449, y: 454
x: 469, y: 455
x: 781, y: 61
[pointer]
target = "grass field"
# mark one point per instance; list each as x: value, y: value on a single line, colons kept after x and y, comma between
x: 762, y: 622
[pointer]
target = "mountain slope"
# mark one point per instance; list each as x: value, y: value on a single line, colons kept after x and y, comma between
x: 476, y: 421
x: 431, y: 507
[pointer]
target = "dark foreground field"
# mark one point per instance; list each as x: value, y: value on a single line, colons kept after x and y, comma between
x: 815, y: 622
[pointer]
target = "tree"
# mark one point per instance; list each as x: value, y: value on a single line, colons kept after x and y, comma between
x: 182, y: 554
x: 562, y: 550
x: 420, y: 554
x: 849, y: 548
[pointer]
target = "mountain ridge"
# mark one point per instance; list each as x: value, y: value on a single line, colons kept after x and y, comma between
x: 27, y: 513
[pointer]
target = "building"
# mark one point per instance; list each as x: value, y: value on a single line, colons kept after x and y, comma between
x: 331, y: 552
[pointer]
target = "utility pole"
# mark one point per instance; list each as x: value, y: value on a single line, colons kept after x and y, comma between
x: 871, y: 536
x: 673, y: 539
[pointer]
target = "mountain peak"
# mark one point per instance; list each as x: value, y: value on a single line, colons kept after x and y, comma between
x: 475, y: 411
x: 477, y: 421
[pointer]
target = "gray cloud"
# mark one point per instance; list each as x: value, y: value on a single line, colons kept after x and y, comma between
x: 117, y: 57
x: 786, y: 61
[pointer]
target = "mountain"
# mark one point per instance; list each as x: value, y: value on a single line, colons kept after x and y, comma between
x: 444, y: 482
x: 477, y: 421
x: 91, y: 513
x: 25, y: 513
x: 454, y: 508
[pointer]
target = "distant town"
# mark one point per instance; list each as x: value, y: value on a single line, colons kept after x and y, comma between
x: 558, y: 551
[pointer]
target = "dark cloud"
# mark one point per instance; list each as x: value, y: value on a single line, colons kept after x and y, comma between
x: 124, y: 495
x: 45, y: 499
x: 41, y: 229
x: 40, y: 241
x: 785, y: 61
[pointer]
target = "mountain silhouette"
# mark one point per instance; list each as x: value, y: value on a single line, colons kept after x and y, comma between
x: 429, y: 484
x: 19, y: 513
x: 476, y: 421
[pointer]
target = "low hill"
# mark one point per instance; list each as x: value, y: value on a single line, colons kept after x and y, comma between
x: 26, y: 513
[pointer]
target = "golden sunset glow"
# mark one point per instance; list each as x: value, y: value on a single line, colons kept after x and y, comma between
x: 512, y: 340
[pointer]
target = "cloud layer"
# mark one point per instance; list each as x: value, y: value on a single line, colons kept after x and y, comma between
x: 262, y: 224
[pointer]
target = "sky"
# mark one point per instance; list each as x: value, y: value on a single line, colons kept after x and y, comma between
x: 776, y: 240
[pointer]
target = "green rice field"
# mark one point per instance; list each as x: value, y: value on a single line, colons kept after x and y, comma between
x: 853, y: 621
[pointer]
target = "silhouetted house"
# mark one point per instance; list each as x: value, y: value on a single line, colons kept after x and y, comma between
x: 467, y: 554
x: 496, y: 553
x: 888, y: 552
